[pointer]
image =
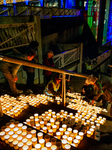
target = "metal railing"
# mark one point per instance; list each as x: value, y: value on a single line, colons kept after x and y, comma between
x: 66, y: 58
x: 43, y: 12
x: 40, y: 66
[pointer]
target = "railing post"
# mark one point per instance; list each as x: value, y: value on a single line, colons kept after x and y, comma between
x: 63, y: 65
x: 64, y: 89
x: 81, y: 55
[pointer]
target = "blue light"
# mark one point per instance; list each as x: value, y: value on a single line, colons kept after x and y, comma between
x: 41, y: 3
x: 68, y: 4
x: 61, y: 3
x: 86, y: 8
x: 4, y: 2
x: 26, y: 2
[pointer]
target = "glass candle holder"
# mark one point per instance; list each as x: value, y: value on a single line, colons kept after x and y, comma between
x: 75, y: 141
x: 29, y: 137
x: 58, y: 135
x: 67, y: 147
x: 69, y: 130
x: 54, y: 127
x: 67, y: 133
x: 64, y: 142
x: 42, y: 142
x: 53, y: 147
x: 57, y: 123
x: 97, y: 126
x: 81, y: 134
x: 64, y: 126
x: 19, y: 132
x: 33, y: 133
x: 44, y: 129
x: 50, y: 132
x: 61, y: 130
x: 37, y: 126
x: 16, y: 130
x: 38, y: 147
x: 20, y: 145
x: 48, y: 126
x: 11, y: 126
x: 52, y: 121
x: 36, y: 116
x: 19, y: 138
x: 45, y: 121
x: 6, y: 138
x: 53, y: 141
x: 75, y: 132
x: 40, y: 135
x: 47, y: 138
x: 24, y: 128
x: 49, y: 111
x: 58, y: 144
x: 40, y: 118
x: 48, y: 145
x: 88, y: 133
x: 64, y: 137
x: 62, y: 112
x: 10, y: 142
x: 24, y: 134
x: 34, y: 141
x: 78, y: 138
x: 20, y: 125
x: 28, y: 121
x: 43, y: 148
x: 57, y: 115
x: 14, y: 136
x: 25, y: 147
x: 15, y: 144
x: 41, y: 124
x: 29, y: 144
x: 69, y: 139
x: 24, y: 141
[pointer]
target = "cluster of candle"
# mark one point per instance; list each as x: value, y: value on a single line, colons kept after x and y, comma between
x: 75, y: 95
x: 35, y: 100
x: 21, y: 137
x: 11, y: 106
x: 84, y: 106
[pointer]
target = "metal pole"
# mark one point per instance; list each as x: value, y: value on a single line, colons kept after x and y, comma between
x: 63, y: 89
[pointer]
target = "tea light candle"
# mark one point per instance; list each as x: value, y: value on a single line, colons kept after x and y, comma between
x: 29, y: 136
x: 93, y: 127
x: 40, y: 135
x: 15, y: 136
x: 24, y: 134
x: 11, y: 133
x: 20, y: 145
x: 57, y: 115
x: 97, y: 126
x: 92, y: 131
x: 64, y: 142
x: 64, y: 126
x: 11, y: 126
x: 50, y: 132
x: 29, y: 144
x: 2, y: 134
x: 54, y: 127
x: 43, y: 148
x: 57, y: 123
x: 20, y: 126
x: 54, y: 117
x: 42, y: 142
x: 67, y: 133
x: 10, y: 142
x: 78, y: 138
x: 61, y: 130
x: 88, y: 133
x: 19, y: 132
x: 34, y: 141
x: 69, y: 140
x: 52, y: 121
x: 64, y: 137
x: 28, y: 121
x: 24, y: 141
x: 81, y: 134
x: 6, y: 137
x: 67, y: 147
x: 36, y: 116
x: 33, y: 133
x: 53, y: 147
x: 41, y: 124
x: 58, y: 102
x: 48, y: 126
x: 45, y: 129
x: 69, y: 130
x: 25, y: 147
x: 58, y: 135
x: 38, y: 146
x: 7, y: 130
x: 24, y: 128
x: 76, y: 142
x: 48, y: 145
x: 15, y: 144
x: 62, y: 111
x: 40, y: 118
x: 37, y: 126
x: 49, y: 111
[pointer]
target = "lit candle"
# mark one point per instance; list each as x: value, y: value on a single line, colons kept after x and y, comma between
x: 75, y: 141
x: 88, y: 133
x: 25, y: 140
x: 11, y: 126
x: 81, y: 134
x: 20, y: 146
x: 54, y: 127
x: 97, y: 126
x: 70, y: 140
x: 7, y: 130
x: 40, y: 135
x: 28, y: 121
x: 53, y: 147
x: 69, y: 130
x: 25, y: 147
x: 19, y: 138
x: 37, y: 126
x: 48, y: 126
x: 29, y: 136
x: 48, y: 145
x: 67, y: 133
x: 36, y: 116
x: 20, y: 126
x: 75, y: 132
x: 10, y: 142
x: 29, y: 144
x: 15, y: 136
x: 42, y: 142
x: 58, y: 115
x: 24, y: 128
x: 67, y: 147
x: 64, y: 126
x: 61, y: 130
x: 64, y: 142
x: 33, y: 133
x: 57, y: 123
x: 62, y: 111
x: 24, y: 134
x: 58, y: 135
x: 45, y: 129
x: 52, y: 121
x: 6, y: 137
x: 19, y: 132
x: 50, y: 131
x: 34, y: 141
x: 64, y: 137
x: 40, y: 118
x: 41, y: 124
x: 43, y: 148
x: 15, y: 144
x: 38, y: 147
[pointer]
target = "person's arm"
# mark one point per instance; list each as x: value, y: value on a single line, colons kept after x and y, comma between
x: 98, y: 90
x: 51, y: 90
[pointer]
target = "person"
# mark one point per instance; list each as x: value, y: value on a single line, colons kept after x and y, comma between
x: 30, y: 71
x: 88, y: 67
x: 48, y: 61
x: 101, y: 91
x: 54, y: 88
